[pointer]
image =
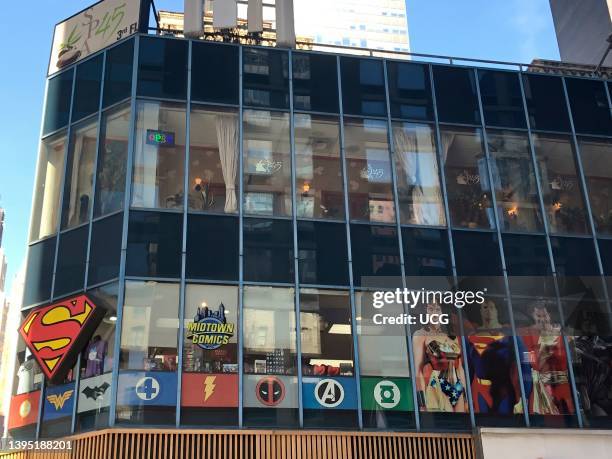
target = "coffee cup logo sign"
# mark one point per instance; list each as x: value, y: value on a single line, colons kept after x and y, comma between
x: 210, y: 329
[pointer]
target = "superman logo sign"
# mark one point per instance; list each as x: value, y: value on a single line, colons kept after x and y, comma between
x: 57, y: 333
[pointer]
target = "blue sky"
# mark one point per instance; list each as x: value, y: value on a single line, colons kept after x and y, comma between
x: 511, y: 30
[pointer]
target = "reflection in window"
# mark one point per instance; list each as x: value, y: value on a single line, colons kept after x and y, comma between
x: 375, y: 252
x: 322, y: 253
x: 426, y: 252
x: 267, y: 163
x: 162, y: 68
x: 502, y: 101
x: 456, y: 95
x: 318, y: 171
x: 265, y: 77
x: 221, y: 87
x: 105, y: 249
x: 363, y: 86
x: 79, y: 176
x: 562, y: 193
x: 87, y: 88
x: 595, y: 156
x: 112, y: 161
x: 467, y: 180
x: 47, y: 189
x: 546, y: 103
x: 159, y: 156
x: 528, y: 264
x: 39, y: 272
x: 118, y: 73
x: 70, y: 267
x: 57, y: 109
x: 418, y: 182
x: 149, y: 328
x: 409, y: 91
x: 315, y: 82
x: 589, y: 105
x: 268, y: 250
x: 369, y: 170
x: 514, y: 180
x: 213, y: 160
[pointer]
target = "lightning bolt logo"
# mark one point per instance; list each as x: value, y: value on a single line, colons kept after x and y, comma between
x: 209, y: 387
x: 58, y: 400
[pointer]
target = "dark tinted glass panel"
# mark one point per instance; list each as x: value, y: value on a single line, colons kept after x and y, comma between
x: 154, y: 244
x: 315, y: 82
x: 322, y: 253
x: 426, y: 252
x: 212, y: 247
x: 70, y: 270
x: 118, y: 73
x: 456, y: 95
x: 363, y: 86
x: 574, y: 256
x: 476, y: 254
x: 87, y: 88
x: 605, y: 250
x: 162, y: 68
x: 59, y: 93
x: 268, y: 250
x: 546, y: 103
x: 214, y: 86
x: 375, y: 252
x: 409, y: 91
x: 265, y: 78
x: 528, y: 265
x: 596, y: 155
x: 590, y: 109
x: 105, y: 250
x: 502, y: 101
x: 39, y: 272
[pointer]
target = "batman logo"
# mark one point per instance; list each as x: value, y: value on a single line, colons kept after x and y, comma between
x: 95, y: 392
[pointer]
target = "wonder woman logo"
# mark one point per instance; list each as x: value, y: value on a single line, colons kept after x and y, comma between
x: 56, y: 334
x: 58, y: 400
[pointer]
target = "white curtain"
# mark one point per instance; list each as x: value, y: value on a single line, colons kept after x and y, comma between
x: 421, y: 173
x: 255, y: 16
x: 225, y: 14
x: 227, y: 136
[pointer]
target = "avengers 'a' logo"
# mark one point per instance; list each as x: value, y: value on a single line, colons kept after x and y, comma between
x: 270, y: 391
x: 56, y: 334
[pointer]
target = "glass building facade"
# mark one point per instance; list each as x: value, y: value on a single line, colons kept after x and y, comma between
x: 268, y: 190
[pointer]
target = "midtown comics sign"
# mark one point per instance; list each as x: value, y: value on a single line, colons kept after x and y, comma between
x: 91, y: 30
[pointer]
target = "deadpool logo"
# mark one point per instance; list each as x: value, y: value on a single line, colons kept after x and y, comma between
x: 57, y: 333
x: 270, y: 391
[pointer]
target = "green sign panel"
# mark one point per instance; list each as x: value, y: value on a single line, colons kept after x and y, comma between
x: 379, y: 393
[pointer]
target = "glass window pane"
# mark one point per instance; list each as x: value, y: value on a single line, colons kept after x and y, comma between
x: 213, y: 160
x: 561, y: 189
x: 59, y: 94
x: 26, y: 378
x: 426, y: 252
x: 515, y: 181
x: 369, y: 170
x: 159, y: 156
x: 467, y: 180
x: 418, y: 177
x: 95, y: 386
x: 375, y: 252
x: 118, y: 73
x: 528, y: 265
x: 154, y: 244
x: 45, y: 210
x: 112, y: 161
x: 265, y: 78
x: 363, y: 86
x: 476, y: 254
x: 456, y: 95
x: 385, y: 379
x: 315, y: 82
x: 270, y: 390
x: 39, y: 272
x: 87, y: 88
x: 79, y: 175
x: 318, y: 170
x: 71, y: 255
x: 267, y: 163
x: 210, y: 86
x: 596, y: 156
x: 574, y: 256
x: 147, y: 385
x: 268, y: 250
x: 589, y: 104
x: 323, y: 254
x: 212, y: 247
x: 502, y: 101
x: 329, y: 392
x: 409, y: 91
x: 105, y: 249
x: 209, y: 391
x: 546, y: 103
x: 162, y: 68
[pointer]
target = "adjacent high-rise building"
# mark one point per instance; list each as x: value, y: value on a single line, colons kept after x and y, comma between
x: 583, y: 28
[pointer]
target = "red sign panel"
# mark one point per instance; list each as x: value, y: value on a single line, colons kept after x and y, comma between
x: 24, y: 409
x: 57, y: 333
x: 209, y: 391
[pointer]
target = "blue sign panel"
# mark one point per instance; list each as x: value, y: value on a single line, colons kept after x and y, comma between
x: 329, y: 393
x: 147, y: 388
x: 59, y: 401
